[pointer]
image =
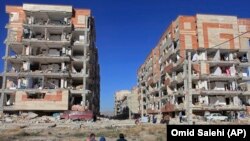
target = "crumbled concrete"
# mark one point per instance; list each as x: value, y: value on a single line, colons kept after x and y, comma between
x: 8, y: 120
x: 32, y: 115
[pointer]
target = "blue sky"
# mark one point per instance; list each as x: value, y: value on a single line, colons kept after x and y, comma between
x: 128, y: 29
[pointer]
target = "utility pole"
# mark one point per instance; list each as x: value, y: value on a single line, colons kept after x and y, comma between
x: 189, y: 95
x: 141, y: 103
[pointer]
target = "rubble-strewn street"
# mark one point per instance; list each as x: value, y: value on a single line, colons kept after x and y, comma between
x: 28, y: 126
x: 31, y: 127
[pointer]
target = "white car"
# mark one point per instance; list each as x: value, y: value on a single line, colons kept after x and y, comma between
x: 216, y: 116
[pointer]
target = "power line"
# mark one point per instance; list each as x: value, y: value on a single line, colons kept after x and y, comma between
x: 230, y: 39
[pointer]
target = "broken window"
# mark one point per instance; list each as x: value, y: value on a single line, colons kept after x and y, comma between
x: 179, y: 100
x: 195, y: 100
x: 243, y: 57
x: 78, y: 54
x: 34, y: 66
x: 54, y: 52
x: 36, y: 96
x: 176, y: 43
x: 55, y: 37
x: 10, y: 99
x: 37, y: 83
x: 11, y: 83
x: 176, y: 29
x: 14, y: 16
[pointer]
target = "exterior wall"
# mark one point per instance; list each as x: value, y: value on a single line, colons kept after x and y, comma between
x: 213, y: 30
x: 16, y: 25
x: 244, y: 26
x: 187, y: 32
x: 56, y: 100
x: 80, y: 18
x: 156, y: 65
x: 133, y: 102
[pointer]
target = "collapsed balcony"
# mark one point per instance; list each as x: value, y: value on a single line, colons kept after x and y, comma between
x: 223, y: 71
x: 35, y: 82
x: 42, y: 36
x: 79, y: 39
x: 45, y: 19
x: 222, y: 58
x: 218, y: 103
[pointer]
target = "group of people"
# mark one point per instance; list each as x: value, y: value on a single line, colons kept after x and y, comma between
x: 102, y: 138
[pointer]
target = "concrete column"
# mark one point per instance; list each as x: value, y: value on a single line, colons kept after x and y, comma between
x: 141, y: 102
x: 160, y: 94
x: 28, y: 50
x: 189, y: 100
x: 84, y: 78
x: 65, y: 83
x: 26, y: 66
x: 83, y: 103
x: 62, y: 83
x: 19, y: 83
x: 4, y: 79
x: 130, y: 114
x: 62, y: 65
x: 185, y: 83
x: 69, y: 52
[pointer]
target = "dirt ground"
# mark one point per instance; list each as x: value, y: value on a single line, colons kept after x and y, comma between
x: 150, y: 132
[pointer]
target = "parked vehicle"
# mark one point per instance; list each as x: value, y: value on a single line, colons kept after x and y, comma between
x: 77, y: 115
x: 216, y: 116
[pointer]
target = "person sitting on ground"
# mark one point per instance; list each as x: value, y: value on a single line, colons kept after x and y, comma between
x: 102, y: 138
x: 121, y: 138
x: 91, y: 137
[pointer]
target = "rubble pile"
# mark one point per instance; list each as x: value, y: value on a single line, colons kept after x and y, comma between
x: 78, y: 108
x: 32, y: 120
x: 29, y: 117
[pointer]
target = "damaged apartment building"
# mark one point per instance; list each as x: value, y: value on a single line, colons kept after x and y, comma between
x: 220, y: 68
x: 126, y: 103
x: 51, y: 60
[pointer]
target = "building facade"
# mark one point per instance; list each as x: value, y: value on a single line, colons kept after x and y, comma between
x: 126, y: 103
x: 216, y: 79
x: 51, y: 60
x: 121, y: 103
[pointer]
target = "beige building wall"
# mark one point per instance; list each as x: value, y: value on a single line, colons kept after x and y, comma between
x: 54, y: 100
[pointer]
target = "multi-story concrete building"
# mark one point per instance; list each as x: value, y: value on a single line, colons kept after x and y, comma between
x: 126, y: 103
x: 121, y: 103
x: 219, y: 67
x: 51, y: 60
x: 149, y: 75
